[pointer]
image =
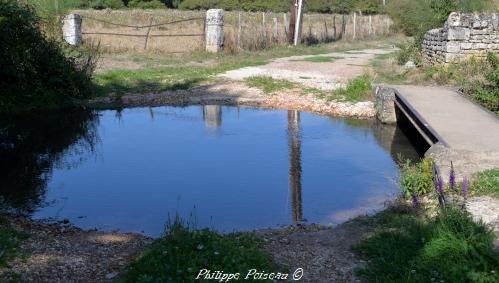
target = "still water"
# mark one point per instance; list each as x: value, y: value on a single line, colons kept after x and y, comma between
x: 225, y: 168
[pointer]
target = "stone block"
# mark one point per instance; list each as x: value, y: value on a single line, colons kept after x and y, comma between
x: 458, y: 33
x: 71, y: 29
x: 385, y: 104
x: 214, y: 30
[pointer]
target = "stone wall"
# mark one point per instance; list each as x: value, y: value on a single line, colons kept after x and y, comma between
x: 463, y: 35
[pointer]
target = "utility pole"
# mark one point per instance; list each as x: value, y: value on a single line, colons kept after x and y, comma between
x: 298, y: 27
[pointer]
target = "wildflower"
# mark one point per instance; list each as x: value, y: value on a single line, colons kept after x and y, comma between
x: 440, y: 191
x: 464, y: 188
x: 415, y: 200
x: 452, y: 178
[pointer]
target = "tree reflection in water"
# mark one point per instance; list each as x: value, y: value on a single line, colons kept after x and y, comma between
x: 32, y: 145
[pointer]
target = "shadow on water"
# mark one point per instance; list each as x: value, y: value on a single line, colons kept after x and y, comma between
x: 32, y: 145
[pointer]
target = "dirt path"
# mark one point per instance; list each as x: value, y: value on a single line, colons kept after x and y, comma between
x: 59, y: 253
x: 325, y: 71
x: 325, y: 254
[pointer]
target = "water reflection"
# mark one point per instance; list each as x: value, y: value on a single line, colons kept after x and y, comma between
x: 159, y: 161
x: 212, y: 115
x: 31, y: 146
x: 294, y: 142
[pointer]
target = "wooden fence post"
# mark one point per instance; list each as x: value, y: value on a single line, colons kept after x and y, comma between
x: 239, y: 32
x: 334, y: 26
x: 147, y: 33
x: 285, y: 18
x: 275, y: 35
x: 325, y: 30
x: 264, y: 28
x: 354, y: 24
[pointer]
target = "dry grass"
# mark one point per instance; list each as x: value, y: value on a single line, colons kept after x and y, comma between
x: 243, y: 30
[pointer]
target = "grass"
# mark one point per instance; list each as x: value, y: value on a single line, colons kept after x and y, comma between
x: 182, y: 252
x: 9, y: 242
x: 486, y: 183
x: 269, y: 85
x: 319, y: 59
x: 358, y: 89
x: 410, y: 248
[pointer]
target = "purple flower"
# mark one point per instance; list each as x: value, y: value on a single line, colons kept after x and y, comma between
x: 464, y: 188
x: 440, y: 187
x: 415, y: 200
x: 452, y: 178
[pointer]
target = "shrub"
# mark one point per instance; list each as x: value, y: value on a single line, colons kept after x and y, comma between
x: 146, y: 4
x: 417, y: 178
x: 449, y: 248
x: 416, y: 17
x: 182, y: 252
x: 34, y: 70
x: 104, y: 4
x: 408, y: 52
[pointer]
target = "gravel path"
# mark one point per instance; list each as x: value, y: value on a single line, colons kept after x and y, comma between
x: 325, y: 76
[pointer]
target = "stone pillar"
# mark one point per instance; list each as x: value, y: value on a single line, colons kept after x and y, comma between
x: 385, y: 104
x: 71, y: 29
x: 214, y: 30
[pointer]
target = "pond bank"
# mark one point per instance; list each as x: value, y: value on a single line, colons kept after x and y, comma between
x: 237, y: 93
x: 58, y: 252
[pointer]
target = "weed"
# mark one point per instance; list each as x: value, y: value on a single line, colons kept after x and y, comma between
x: 9, y: 242
x: 486, y: 183
x: 268, y: 84
x: 417, y: 178
x: 449, y: 248
x: 358, y: 89
x: 180, y: 254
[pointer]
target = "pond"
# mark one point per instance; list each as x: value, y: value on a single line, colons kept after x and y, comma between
x: 225, y: 168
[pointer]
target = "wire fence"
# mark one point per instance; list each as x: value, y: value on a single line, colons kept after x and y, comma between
x: 112, y: 35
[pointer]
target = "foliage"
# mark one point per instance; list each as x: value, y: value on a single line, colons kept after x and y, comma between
x: 103, y: 4
x: 416, y: 17
x: 408, y: 52
x: 268, y: 84
x: 417, y: 178
x: 486, y: 183
x: 319, y: 59
x: 182, y: 252
x: 9, y: 242
x: 34, y: 70
x: 146, y: 4
x: 358, y: 89
x: 449, y: 248
x: 477, y: 78
x: 321, y: 6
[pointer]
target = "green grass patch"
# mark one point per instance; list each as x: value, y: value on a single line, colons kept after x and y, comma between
x: 448, y: 248
x: 358, y: 89
x: 486, y: 183
x: 180, y: 254
x: 9, y: 242
x: 269, y: 85
x: 319, y: 59
x: 417, y: 178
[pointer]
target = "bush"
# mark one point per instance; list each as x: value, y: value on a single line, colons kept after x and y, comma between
x: 104, y: 4
x: 449, y: 248
x: 146, y: 4
x: 34, y: 70
x: 409, y: 52
x: 182, y: 252
x: 417, y: 178
x: 416, y: 17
